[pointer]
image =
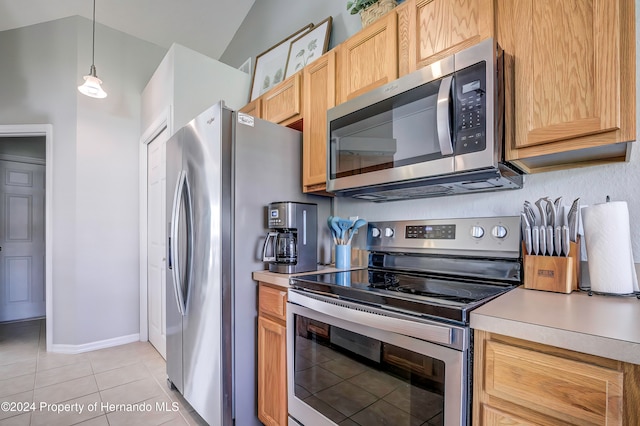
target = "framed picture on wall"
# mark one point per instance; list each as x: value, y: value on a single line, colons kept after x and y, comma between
x: 270, y: 65
x: 308, y: 47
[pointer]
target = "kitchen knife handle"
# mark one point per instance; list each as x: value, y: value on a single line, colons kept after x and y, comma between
x: 566, y: 240
x: 527, y: 239
x: 558, y: 241
x: 535, y: 239
x: 550, y: 240
x: 543, y: 240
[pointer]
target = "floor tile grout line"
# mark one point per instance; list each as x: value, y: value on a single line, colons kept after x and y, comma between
x: 147, y: 359
x: 167, y: 393
x: 35, y: 376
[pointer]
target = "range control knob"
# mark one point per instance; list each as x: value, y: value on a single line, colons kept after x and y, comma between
x: 375, y: 232
x: 499, y: 231
x: 388, y: 232
x: 477, y: 231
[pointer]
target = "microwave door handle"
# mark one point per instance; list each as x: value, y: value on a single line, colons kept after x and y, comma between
x: 443, y: 121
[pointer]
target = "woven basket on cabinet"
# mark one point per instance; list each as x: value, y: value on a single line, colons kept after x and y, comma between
x: 376, y: 10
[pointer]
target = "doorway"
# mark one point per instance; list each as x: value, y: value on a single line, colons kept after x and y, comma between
x: 25, y: 236
x: 22, y: 193
x: 156, y: 237
x: 153, y: 230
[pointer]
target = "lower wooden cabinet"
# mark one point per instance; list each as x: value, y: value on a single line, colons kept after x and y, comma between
x: 272, y: 355
x: 524, y: 383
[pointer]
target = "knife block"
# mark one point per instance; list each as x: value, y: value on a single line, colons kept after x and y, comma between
x: 559, y: 274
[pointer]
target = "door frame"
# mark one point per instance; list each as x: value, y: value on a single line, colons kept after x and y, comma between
x: 162, y: 121
x: 46, y: 130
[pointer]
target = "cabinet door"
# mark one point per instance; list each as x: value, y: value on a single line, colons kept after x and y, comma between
x: 272, y: 372
x: 491, y: 416
x: 570, y: 66
x: 368, y: 59
x: 272, y: 301
x: 283, y: 103
x: 253, y: 108
x: 319, y: 95
x: 564, y: 389
x: 430, y: 30
x: 538, y: 384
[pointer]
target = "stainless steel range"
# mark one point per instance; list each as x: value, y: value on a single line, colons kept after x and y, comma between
x: 391, y: 344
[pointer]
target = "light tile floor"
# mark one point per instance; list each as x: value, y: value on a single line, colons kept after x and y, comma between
x: 123, y: 385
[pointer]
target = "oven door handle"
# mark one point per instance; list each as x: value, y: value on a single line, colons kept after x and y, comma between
x: 420, y: 330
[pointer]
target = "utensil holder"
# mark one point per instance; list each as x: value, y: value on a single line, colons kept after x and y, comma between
x: 343, y: 256
x: 559, y: 274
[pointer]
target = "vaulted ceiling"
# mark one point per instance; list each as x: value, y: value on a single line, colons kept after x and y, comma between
x: 206, y: 26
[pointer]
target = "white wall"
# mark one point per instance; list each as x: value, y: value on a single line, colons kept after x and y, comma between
x: 95, y: 157
x: 158, y: 93
x: 189, y: 82
x: 269, y: 22
x: 201, y: 82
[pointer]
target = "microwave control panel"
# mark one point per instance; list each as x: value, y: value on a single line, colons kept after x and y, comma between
x: 470, y: 109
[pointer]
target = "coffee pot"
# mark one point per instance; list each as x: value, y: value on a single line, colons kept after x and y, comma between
x: 291, y: 246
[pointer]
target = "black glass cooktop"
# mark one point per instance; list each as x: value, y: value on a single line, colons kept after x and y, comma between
x: 436, y: 297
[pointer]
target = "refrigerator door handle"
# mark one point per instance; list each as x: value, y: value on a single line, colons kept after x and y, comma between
x: 190, y: 239
x: 174, y: 241
x: 272, y: 258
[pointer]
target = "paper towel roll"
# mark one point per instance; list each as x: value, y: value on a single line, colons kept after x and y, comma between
x: 608, y: 242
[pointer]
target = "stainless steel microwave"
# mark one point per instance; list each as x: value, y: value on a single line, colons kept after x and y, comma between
x: 437, y: 131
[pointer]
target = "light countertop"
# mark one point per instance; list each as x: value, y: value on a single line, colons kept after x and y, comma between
x: 606, y: 326
x: 283, y: 279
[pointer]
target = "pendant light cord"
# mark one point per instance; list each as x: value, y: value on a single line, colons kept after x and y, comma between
x: 93, y: 46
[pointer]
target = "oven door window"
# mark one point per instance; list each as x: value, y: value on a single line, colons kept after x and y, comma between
x: 349, y: 377
x: 396, y: 132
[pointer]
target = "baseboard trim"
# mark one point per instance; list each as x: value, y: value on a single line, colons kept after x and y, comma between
x: 101, y: 344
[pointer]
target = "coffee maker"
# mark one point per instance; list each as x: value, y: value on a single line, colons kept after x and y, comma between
x: 292, y: 245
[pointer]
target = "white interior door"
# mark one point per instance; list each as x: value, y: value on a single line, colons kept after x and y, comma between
x: 22, y: 240
x: 156, y: 237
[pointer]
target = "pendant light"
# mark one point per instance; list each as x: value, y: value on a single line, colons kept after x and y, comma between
x: 91, y: 86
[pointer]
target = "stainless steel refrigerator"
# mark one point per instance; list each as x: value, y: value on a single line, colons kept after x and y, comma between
x: 223, y: 169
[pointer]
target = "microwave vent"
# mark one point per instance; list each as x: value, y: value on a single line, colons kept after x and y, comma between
x: 500, y: 178
x: 406, y: 193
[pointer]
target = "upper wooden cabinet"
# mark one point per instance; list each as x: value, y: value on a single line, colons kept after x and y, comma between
x: 429, y: 30
x: 570, y: 78
x: 283, y: 103
x: 319, y: 95
x: 368, y: 59
x: 253, y: 108
x: 526, y: 383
